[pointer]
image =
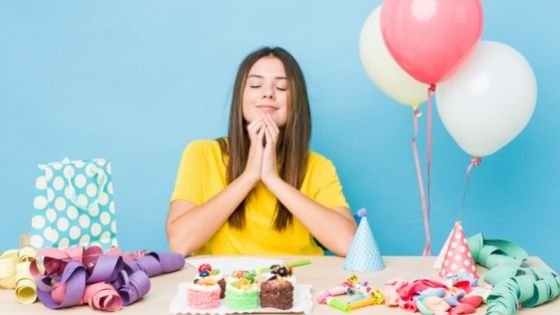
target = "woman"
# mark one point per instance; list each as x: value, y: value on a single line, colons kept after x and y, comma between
x: 260, y: 190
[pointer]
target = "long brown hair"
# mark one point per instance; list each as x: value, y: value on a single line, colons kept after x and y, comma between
x: 293, y: 141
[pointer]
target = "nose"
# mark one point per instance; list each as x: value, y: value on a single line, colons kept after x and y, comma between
x: 268, y: 92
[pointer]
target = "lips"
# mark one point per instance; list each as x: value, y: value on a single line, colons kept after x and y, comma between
x: 268, y: 108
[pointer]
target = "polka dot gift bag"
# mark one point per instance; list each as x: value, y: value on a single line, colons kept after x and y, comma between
x: 74, y: 205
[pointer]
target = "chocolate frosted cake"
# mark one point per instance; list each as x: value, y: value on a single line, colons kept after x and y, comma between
x: 277, y: 290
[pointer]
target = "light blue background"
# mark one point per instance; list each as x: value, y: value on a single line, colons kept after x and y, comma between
x: 134, y: 81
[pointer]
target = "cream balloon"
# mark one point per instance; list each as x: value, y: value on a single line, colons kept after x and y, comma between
x: 489, y: 100
x: 383, y: 70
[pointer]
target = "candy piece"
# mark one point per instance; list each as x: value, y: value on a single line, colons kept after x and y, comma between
x: 283, y: 272
x: 204, y: 267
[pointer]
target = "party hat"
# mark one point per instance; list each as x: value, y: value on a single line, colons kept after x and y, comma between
x: 363, y: 254
x: 439, y: 260
x: 455, y: 257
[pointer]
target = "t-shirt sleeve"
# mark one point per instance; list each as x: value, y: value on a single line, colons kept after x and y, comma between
x: 328, y: 188
x: 188, y: 185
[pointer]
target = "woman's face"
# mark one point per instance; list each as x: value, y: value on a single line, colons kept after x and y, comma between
x: 266, y: 91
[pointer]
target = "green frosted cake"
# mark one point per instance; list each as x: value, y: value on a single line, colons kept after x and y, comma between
x: 242, y: 292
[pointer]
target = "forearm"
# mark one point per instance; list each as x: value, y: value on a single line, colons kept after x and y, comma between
x: 189, y: 229
x: 313, y: 215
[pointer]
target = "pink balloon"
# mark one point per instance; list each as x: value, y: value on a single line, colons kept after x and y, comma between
x: 430, y: 39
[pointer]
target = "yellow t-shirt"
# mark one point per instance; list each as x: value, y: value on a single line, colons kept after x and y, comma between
x: 202, y: 174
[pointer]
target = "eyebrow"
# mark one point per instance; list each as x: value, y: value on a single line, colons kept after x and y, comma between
x: 261, y: 77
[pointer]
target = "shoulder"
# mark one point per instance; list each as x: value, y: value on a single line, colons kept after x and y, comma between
x: 203, y: 145
x: 318, y: 161
x: 202, y: 148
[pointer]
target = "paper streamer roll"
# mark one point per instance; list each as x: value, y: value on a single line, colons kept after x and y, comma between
x: 26, y: 290
x: 513, y: 284
x: 14, y: 274
x: 8, y: 262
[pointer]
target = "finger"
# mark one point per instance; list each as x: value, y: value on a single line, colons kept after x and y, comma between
x: 257, y: 122
x: 261, y: 133
x: 270, y: 139
x: 254, y: 127
x: 271, y: 123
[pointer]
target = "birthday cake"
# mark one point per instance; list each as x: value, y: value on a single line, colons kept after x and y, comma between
x: 242, y: 291
x: 277, y: 288
x: 202, y: 295
x: 204, y: 292
x: 206, y: 271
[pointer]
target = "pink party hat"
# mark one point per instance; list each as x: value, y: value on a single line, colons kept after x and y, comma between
x: 455, y: 257
x: 363, y: 255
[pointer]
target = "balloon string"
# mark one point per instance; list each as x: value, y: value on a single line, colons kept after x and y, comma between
x: 431, y: 91
x: 425, y: 212
x: 475, y: 161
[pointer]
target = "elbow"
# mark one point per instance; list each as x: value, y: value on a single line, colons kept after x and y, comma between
x: 343, y: 247
x: 177, y: 247
x: 181, y: 246
x: 178, y: 244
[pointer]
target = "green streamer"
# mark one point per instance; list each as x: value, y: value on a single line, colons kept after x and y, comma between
x: 513, y: 284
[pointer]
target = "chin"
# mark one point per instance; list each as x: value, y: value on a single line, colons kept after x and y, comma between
x: 279, y: 123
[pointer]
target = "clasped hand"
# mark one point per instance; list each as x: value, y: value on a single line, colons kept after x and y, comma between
x: 261, y: 161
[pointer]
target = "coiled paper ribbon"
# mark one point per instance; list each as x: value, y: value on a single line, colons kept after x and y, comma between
x: 104, y: 281
x: 514, y: 285
x: 14, y: 273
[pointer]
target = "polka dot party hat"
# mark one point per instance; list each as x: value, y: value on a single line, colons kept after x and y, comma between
x: 455, y: 257
x: 363, y: 255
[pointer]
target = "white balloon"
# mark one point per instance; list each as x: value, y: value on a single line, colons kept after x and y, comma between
x: 383, y: 70
x: 490, y: 99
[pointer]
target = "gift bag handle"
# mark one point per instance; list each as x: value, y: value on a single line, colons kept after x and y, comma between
x: 99, y: 174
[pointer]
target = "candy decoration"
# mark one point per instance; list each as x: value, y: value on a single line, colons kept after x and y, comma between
x: 204, y: 267
x: 298, y: 263
x: 293, y: 264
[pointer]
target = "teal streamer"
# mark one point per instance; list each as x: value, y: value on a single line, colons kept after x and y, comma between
x: 514, y: 285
